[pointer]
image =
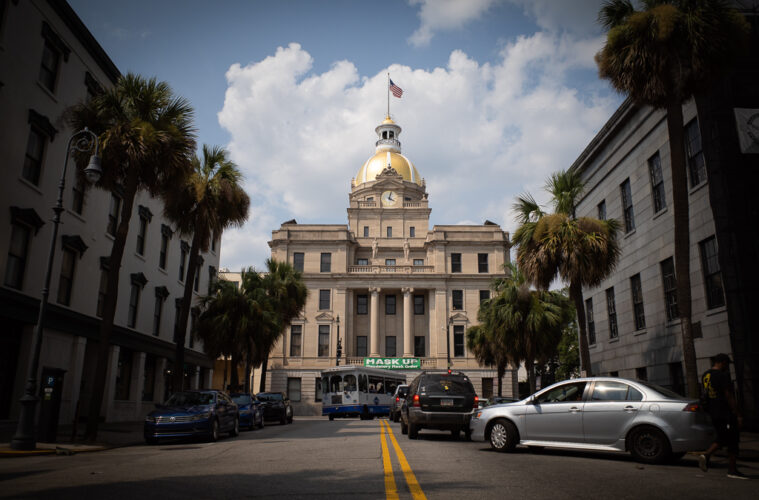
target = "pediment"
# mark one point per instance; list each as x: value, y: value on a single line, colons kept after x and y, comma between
x: 395, y: 182
x: 459, y: 318
x: 325, y: 316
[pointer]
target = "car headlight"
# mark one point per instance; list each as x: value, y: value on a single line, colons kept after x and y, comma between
x: 202, y: 416
x: 150, y: 418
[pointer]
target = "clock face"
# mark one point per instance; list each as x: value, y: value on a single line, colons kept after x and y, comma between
x: 389, y: 198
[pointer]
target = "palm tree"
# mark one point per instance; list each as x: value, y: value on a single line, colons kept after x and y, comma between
x: 487, y: 350
x: 288, y: 293
x: 660, y: 56
x: 208, y: 201
x: 581, y: 251
x: 147, y: 139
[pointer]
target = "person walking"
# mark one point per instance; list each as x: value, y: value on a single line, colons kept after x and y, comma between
x: 720, y: 403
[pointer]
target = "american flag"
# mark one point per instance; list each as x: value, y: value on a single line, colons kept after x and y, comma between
x: 396, y: 90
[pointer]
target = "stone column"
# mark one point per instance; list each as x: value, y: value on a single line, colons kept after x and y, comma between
x: 160, y: 381
x: 137, y: 383
x: 78, y: 349
x: 374, y: 322
x: 408, y: 329
x: 208, y: 382
x: 196, y: 379
x: 110, y: 381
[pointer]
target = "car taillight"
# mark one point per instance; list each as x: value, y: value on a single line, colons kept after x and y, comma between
x: 397, y: 399
x: 416, y: 400
x: 691, y: 407
x: 476, y: 403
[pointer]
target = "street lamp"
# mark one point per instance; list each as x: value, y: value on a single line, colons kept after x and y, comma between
x: 25, y: 439
x: 339, y: 344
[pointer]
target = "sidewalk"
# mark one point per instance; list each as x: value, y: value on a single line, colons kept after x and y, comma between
x: 110, y: 435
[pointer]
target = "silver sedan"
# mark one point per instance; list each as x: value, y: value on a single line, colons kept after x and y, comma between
x: 601, y: 414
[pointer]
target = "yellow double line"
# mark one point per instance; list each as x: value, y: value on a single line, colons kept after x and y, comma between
x: 391, y: 491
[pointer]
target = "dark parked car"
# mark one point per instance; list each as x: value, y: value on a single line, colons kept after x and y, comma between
x: 193, y: 413
x: 276, y: 406
x: 443, y: 401
x: 395, y: 404
x: 251, y: 413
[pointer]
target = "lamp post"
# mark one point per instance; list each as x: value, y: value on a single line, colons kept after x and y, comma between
x: 25, y: 438
x: 448, y: 338
x: 339, y: 344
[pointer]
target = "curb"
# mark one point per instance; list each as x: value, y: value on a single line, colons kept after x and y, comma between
x: 65, y: 450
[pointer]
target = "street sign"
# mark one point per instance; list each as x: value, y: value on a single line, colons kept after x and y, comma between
x: 393, y: 363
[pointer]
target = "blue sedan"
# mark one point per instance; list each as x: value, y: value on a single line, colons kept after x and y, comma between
x: 191, y: 414
x: 251, y: 413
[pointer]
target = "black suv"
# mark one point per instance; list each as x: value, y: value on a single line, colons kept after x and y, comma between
x: 443, y: 401
x: 276, y: 406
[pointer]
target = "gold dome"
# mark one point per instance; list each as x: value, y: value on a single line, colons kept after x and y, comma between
x: 377, y: 163
x: 388, y: 121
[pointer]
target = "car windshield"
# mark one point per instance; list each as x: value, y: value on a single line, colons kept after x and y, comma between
x: 667, y: 393
x: 242, y: 399
x: 190, y: 399
x: 267, y: 396
x: 446, y: 384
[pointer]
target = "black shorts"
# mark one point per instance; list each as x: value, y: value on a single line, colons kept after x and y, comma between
x: 727, y: 432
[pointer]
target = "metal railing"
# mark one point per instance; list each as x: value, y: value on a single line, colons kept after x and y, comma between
x: 391, y: 269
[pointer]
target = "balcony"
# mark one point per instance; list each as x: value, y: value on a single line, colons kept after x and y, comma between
x: 390, y: 269
x: 367, y: 204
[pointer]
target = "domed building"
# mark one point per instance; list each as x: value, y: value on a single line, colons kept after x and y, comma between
x: 386, y: 285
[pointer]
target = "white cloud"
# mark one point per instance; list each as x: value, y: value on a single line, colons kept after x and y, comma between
x: 577, y: 16
x: 445, y: 15
x: 478, y: 133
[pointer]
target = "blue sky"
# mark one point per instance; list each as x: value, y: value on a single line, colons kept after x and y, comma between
x: 498, y: 94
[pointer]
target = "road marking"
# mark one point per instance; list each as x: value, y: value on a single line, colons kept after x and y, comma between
x: 413, y: 484
x: 391, y: 491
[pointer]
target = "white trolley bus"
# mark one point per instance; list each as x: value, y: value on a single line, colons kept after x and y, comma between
x: 350, y: 391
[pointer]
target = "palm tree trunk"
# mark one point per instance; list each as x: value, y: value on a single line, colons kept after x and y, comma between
x: 575, y: 293
x: 262, y: 384
x: 530, y: 365
x: 247, y: 375
x: 234, y: 378
x: 501, y: 372
x: 224, y: 381
x: 682, y: 241
x: 109, y: 310
x: 180, y: 332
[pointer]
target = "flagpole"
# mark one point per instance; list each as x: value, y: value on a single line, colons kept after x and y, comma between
x: 388, y: 94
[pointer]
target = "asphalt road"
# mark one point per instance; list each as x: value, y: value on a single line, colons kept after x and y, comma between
x: 316, y: 458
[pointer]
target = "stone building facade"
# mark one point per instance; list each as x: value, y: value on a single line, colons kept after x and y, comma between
x: 385, y: 285
x: 48, y: 62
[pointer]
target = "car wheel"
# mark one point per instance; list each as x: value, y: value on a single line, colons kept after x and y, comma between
x: 404, y: 427
x: 503, y: 435
x: 235, y: 428
x: 151, y: 440
x: 455, y: 434
x: 467, y: 434
x: 331, y: 417
x: 283, y: 420
x: 213, y: 434
x: 413, y: 431
x: 290, y: 418
x: 649, y: 445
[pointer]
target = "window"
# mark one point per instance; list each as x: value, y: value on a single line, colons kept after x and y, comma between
x: 602, y: 210
x: 113, y: 214
x: 615, y: 391
x: 458, y: 341
x: 637, y: 298
x: 51, y: 59
x: 482, y: 262
x: 123, y: 375
x: 457, y: 299
x: 676, y: 379
x: 318, y: 390
x: 326, y: 263
x: 366, y: 231
x: 361, y: 346
x: 293, y: 388
x: 134, y: 301
x: 323, y: 340
x: 389, y: 262
x: 564, y: 393
x: 35, y: 151
x: 66, y: 281
x: 712, y: 275
x: 362, y: 262
x: 213, y: 243
x: 141, y: 234
x: 211, y: 278
x: 484, y: 295
x: 455, y: 262
x: 627, y: 205
x: 18, y: 250
x: 390, y: 346
x: 412, y: 232
x: 389, y: 231
x: 641, y: 373
x: 148, y: 380
x: 298, y: 259
x: 696, y: 163
x: 487, y: 387
x: 362, y: 304
x: 77, y: 196
x: 194, y: 314
x: 590, y: 321
x: 184, y: 250
x: 418, y: 305
x: 670, y: 288
x: 160, y: 295
x: 165, y: 237
x: 296, y: 338
x: 418, y: 262
x: 389, y: 304
x: 612, y: 311
x: 196, y: 284
x: 657, y: 183
x: 323, y: 300
x: 102, y: 292
x: 419, y: 347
